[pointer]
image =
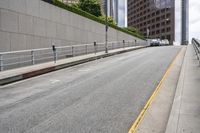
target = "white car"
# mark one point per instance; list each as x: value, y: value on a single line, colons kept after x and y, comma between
x: 164, y: 42
x: 155, y: 42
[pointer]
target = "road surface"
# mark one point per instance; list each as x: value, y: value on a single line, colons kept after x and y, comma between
x: 102, y: 96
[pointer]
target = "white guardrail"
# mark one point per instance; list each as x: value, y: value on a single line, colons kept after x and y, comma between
x: 15, y: 59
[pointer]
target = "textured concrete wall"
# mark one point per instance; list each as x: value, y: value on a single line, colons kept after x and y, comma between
x: 29, y: 24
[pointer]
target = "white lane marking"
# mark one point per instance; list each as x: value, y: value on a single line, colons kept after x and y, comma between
x: 53, y: 81
x: 84, y: 70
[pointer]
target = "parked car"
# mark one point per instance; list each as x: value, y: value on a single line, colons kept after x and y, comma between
x: 155, y: 42
x: 164, y: 42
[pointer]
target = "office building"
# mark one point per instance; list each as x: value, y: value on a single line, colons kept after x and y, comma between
x: 185, y: 22
x: 153, y: 18
x: 112, y: 8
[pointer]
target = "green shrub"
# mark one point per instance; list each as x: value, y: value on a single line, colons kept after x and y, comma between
x: 92, y: 17
x: 110, y: 20
x: 91, y: 6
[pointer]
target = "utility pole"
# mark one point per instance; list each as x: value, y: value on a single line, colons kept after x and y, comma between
x: 106, y: 23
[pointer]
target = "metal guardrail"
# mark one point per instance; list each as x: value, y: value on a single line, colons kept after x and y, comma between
x: 15, y: 59
x: 196, y: 45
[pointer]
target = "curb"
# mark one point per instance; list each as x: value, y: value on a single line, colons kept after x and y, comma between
x: 34, y: 73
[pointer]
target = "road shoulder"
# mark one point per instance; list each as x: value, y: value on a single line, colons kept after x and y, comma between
x: 155, y: 117
x: 185, y: 116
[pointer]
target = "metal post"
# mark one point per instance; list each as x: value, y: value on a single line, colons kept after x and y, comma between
x: 112, y: 45
x: 95, y: 47
x: 1, y: 62
x: 72, y: 51
x: 106, y: 44
x: 166, y: 20
x: 54, y: 53
x: 32, y: 57
x: 123, y: 43
x: 86, y: 49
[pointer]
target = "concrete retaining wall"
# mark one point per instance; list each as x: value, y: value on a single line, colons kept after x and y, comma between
x: 30, y: 24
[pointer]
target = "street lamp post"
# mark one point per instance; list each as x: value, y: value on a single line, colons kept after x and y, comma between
x: 148, y: 31
x: 106, y: 23
x: 166, y: 20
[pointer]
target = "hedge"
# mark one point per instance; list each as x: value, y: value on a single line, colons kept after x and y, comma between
x: 92, y: 17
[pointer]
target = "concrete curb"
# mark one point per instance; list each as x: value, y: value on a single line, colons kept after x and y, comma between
x: 34, y: 73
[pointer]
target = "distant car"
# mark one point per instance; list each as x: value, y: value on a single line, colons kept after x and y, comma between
x: 164, y: 42
x: 155, y: 42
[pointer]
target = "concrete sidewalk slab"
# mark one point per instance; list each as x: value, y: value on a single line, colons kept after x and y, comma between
x: 18, y: 74
x: 185, y: 113
x: 156, y: 117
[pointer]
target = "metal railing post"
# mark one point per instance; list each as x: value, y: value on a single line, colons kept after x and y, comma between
x: 198, y: 52
x: 32, y: 57
x: 95, y: 47
x: 72, y: 51
x: 86, y: 49
x: 112, y: 45
x: 1, y: 62
x: 54, y: 53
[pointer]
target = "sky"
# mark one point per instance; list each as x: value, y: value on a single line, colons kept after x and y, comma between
x: 194, y: 18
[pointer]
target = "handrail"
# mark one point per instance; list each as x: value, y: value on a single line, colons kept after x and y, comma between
x: 15, y: 59
x: 196, y: 45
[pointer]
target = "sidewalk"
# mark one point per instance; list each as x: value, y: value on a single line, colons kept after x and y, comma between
x: 185, y: 113
x: 155, y: 119
x: 14, y: 75
x: 176, y: 108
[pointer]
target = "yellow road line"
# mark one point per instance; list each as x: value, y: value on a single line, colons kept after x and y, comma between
x: 149, y: 102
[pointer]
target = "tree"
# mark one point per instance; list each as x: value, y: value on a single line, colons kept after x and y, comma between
x: 91, y: 6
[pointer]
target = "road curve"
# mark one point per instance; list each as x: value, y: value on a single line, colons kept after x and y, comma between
x: 102, y: 96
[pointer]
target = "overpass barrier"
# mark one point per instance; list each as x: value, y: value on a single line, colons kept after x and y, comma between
x: 196, y: 45
x: 16, y: 59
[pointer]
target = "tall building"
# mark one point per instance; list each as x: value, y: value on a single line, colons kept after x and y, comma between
x: 122, y: 13
x: 112, y: 8
x: 153, y: 18
x: 185, y: 22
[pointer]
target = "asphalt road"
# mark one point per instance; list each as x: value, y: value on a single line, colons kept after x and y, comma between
x: 103, y: 96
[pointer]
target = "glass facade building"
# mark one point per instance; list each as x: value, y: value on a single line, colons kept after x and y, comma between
x: 112, y: 8
x: 153, y: 18
x: 117, y: 9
